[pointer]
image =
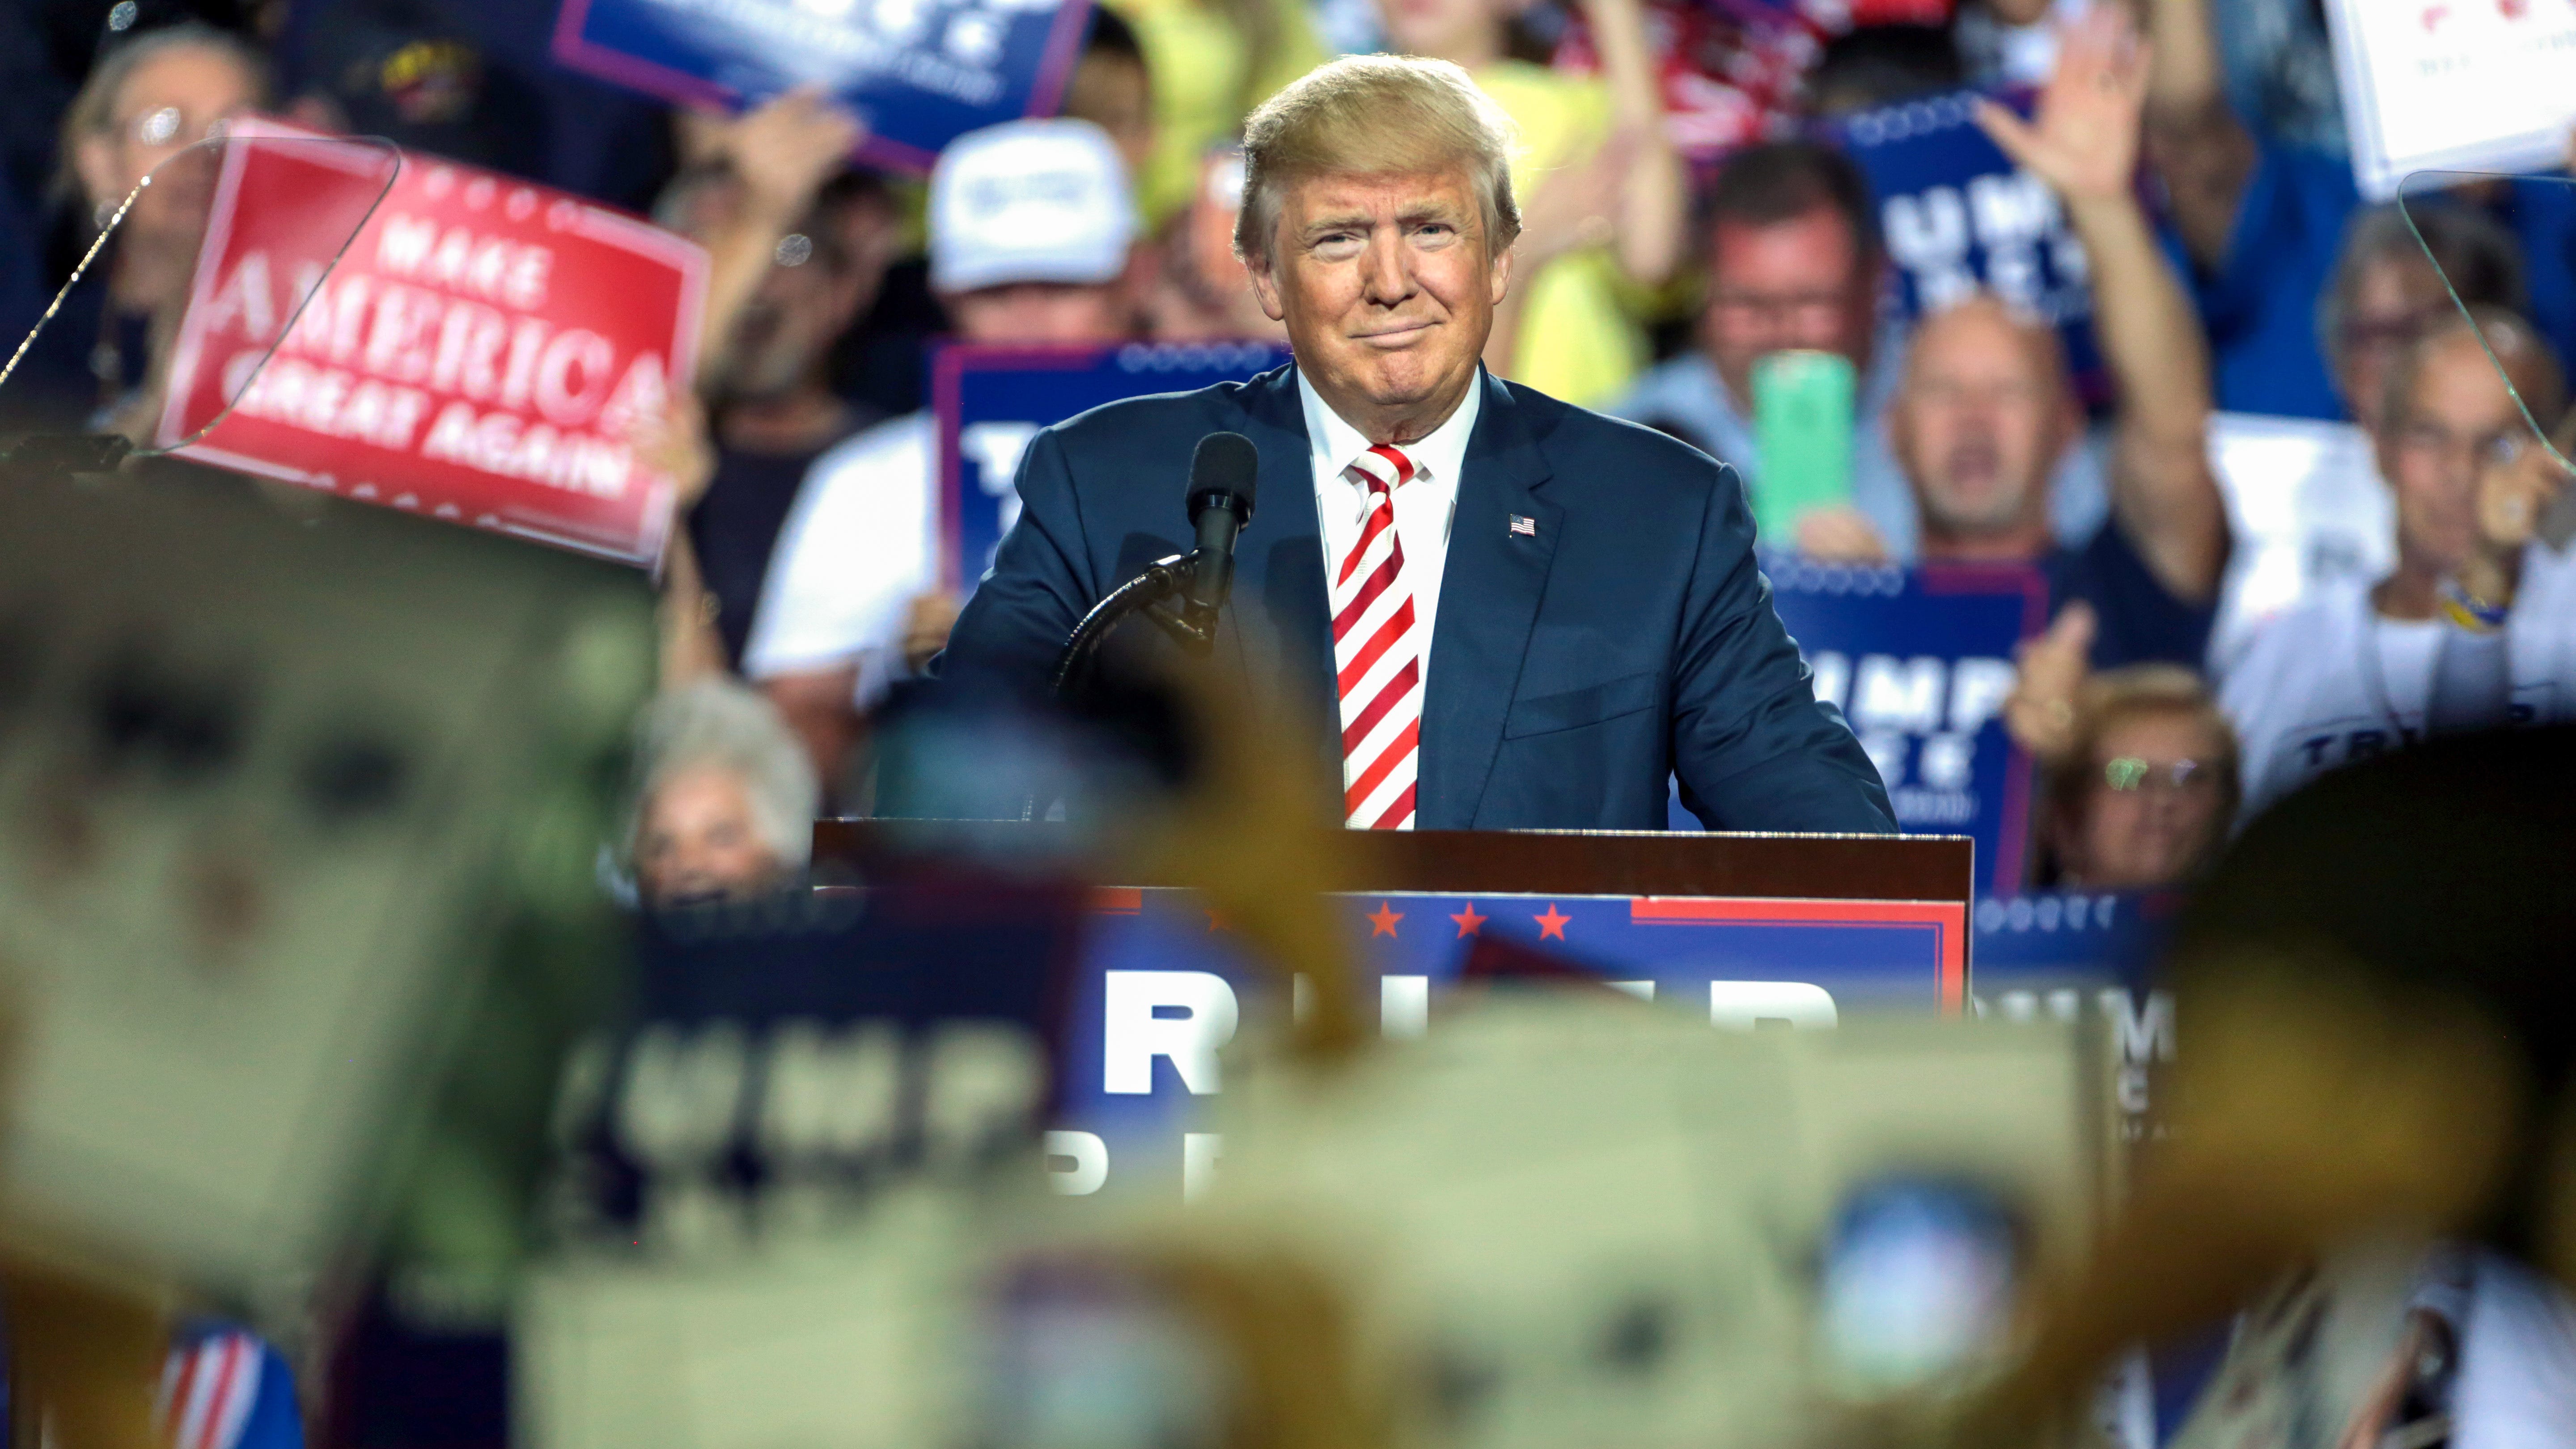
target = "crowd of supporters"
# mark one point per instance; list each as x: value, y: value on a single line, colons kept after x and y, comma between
x: 1688, y: 212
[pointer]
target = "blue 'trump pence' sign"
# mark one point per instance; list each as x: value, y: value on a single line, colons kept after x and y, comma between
x: 920, y: 73
x: 1920, y: 662
x: 1958, y: 217
x: 990, y: 401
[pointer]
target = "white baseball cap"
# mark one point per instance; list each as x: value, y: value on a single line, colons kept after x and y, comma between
x: 1029, y: 201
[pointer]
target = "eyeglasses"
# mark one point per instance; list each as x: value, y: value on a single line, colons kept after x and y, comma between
x: 2431, y: 439
x: 1781, y: 306
x: 2128, y: 773
x: 2389, y: 331
x: 169, y: 126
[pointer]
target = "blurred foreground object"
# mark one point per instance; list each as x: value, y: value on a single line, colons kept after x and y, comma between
x: 1562, y: 1217
x: 2381, y: 1043
x: 298, y: 807
x: 1568, y: 1218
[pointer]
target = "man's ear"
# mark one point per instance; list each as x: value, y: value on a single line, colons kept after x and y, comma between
x: 1265, y: 288
x: 1502, y: 278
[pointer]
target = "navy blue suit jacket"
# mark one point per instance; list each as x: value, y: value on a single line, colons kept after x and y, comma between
x: 1629, y: 639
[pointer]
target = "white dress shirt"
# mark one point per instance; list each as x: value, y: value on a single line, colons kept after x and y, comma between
x: 1423, y: 506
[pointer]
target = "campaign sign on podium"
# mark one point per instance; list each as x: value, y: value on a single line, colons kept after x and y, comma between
x: 479, y: 353
x: 990, y: 401
x: 1919, y: 661
x: 1167, y: 989
x: 919, y: 73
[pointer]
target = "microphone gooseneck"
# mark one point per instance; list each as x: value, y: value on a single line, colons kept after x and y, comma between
x: 1223, y: 474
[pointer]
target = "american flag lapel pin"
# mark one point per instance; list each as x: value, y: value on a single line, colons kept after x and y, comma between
x: 1525, y: 527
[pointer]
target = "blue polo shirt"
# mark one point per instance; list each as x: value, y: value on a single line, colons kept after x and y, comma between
x: 2260, y: 304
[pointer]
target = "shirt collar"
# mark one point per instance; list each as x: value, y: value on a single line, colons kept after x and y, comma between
x: 1441, y: 456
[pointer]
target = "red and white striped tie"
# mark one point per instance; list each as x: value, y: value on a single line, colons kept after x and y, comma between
x: 1378, y: 656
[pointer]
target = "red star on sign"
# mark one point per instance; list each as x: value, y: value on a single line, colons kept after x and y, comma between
x: 1468, y: 920
x: 1218, y: 922
x: 1382, y: 920
x: 1551, y: 924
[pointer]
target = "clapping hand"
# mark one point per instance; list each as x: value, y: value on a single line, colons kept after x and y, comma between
x: 927, y: 622
x: 2516, y: 489
x: 1841, y: 534
x: 675, y: 444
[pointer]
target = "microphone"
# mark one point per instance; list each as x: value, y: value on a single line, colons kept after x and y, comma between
x: 1223, y: 473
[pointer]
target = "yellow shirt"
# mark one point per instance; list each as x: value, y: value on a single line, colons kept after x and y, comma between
x: 1578, y: 340
x: 1196, y: 54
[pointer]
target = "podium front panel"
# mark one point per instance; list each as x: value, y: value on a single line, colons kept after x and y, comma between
x: 1164, y: 988
x: 1747, y: 932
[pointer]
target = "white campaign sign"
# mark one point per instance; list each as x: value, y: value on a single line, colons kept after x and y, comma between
x: 2307, y: 509
x: 2461, y: 85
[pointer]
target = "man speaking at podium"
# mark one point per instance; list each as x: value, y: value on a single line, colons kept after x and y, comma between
x: 1521, y: 614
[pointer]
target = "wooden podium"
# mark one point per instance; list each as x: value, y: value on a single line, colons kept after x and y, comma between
x: 1576, y: 862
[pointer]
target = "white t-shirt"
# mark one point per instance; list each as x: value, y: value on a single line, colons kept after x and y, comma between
x: 1423, y: 506
x: 2516, y: 1386
x: 860, y: 544
x: 2329, y: 682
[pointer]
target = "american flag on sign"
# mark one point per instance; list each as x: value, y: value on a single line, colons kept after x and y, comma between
x: 1526, y: 527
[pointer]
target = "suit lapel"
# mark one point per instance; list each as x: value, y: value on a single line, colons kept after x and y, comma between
x: 1489, y: 596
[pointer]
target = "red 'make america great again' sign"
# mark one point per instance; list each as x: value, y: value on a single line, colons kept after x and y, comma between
x: 481, y: 352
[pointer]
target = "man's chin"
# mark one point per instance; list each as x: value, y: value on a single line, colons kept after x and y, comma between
x: 1980, y: 507
x: 1403, y: 378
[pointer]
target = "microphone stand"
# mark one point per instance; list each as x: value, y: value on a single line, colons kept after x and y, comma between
x: 1152, y: 593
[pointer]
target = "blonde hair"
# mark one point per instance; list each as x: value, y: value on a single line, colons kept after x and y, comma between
x: 1375, y: 115
x: 2116, y: 696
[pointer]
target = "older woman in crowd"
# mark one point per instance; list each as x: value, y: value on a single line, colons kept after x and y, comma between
x: 2141, y: 791
x: 727, y: 798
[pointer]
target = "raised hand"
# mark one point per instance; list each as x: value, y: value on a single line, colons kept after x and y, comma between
x: 2040, y: 712
x: 1578, y: 206
x: 784, y: 148
x: 2083, y: 138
